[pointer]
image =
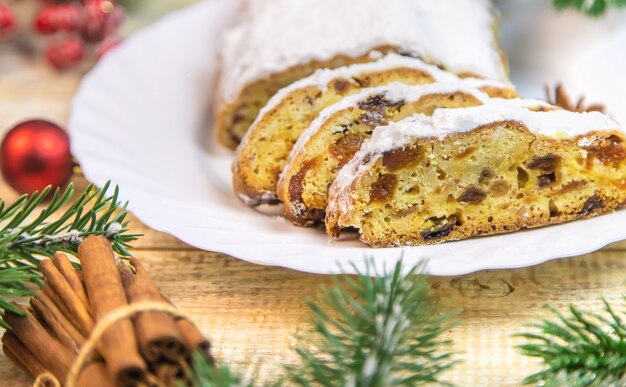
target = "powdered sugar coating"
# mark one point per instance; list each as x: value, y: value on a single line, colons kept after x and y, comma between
x: 558, y: 124
x: 275, y: 35
x: 321, y: 78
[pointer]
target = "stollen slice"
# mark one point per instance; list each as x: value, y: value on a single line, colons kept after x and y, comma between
x: 500, y: 167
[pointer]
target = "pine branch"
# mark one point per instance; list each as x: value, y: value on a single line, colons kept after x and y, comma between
x: 28, y: 233
x: 579, y: 349
x: 374, y: 331
x: 204, y: 373
x: 593, y: 8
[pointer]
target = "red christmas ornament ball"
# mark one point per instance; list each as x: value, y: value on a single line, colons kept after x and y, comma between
x: 35, y: 154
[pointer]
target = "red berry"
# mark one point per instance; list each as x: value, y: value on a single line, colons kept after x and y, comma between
x: 66, y: 53
x: 61, y: 17
x: 35, y: 154
x: 100, y: 19
x: 7, y: 21
x: 45, y: 20
x: 68, y: 16
x: 106, y: 46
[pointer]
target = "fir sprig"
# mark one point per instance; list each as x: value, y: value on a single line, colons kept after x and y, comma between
x: 379, y: 329
x: 590, y: 7
x: 29, y: 232
x: 580, y: 349
x: 204, y: 373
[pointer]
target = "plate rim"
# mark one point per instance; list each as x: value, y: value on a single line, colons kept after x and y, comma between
x: 148, y: 220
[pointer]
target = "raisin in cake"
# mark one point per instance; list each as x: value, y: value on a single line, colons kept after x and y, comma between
x: 499, y: 167
x: 337, y: 134
x: 264, y: 150
x: 277, y: 42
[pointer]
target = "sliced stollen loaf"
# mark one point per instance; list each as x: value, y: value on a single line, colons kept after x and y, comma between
x: 277, y: 42
x: 499, y: 167
x: 265, y: 148
x: 337, y: 134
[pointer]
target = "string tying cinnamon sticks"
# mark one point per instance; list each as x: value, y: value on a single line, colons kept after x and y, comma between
x: 100, y: 308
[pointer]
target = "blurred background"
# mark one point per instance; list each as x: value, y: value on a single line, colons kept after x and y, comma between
x: 25, y: 70
x: 31, y: 84
x: 586, y: 53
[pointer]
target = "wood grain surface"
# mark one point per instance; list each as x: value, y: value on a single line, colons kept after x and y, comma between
x: 251, y: 313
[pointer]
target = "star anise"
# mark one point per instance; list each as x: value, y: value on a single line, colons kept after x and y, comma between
x: 561, y: 99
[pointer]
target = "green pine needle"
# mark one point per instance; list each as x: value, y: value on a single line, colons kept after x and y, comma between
x: 204, y: 373
x: 38, y: 225
x: 593, y: 8
x: 579, y: 349
x: 379, y: 329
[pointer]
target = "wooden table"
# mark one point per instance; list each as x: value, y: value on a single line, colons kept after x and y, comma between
x: 251, y: 312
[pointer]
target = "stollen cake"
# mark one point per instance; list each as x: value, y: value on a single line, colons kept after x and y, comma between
x: 337, y: 134
x: 263, y: 152
x: 277, y: 42
x: 500, y: 167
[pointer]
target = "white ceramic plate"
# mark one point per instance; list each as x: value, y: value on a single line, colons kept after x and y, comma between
x: 139, y: 119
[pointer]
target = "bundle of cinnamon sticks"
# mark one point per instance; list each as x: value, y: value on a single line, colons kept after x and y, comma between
x: 151, y: 348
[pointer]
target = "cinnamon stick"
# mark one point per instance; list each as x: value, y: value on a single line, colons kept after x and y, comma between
x: 168, y: 374
x: 104, y: 289
x: 69, y: 297
x: 56, y: 300
x: 51, y: 311
x: 152, y: 381
x: 20, y: 355
x: 65, y: 267
x: 52, y: 355
x: 193, y: 338
x: 94, y: 374
x: 50, y: 314
x: 55, y: 326
x: 157, y: 333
